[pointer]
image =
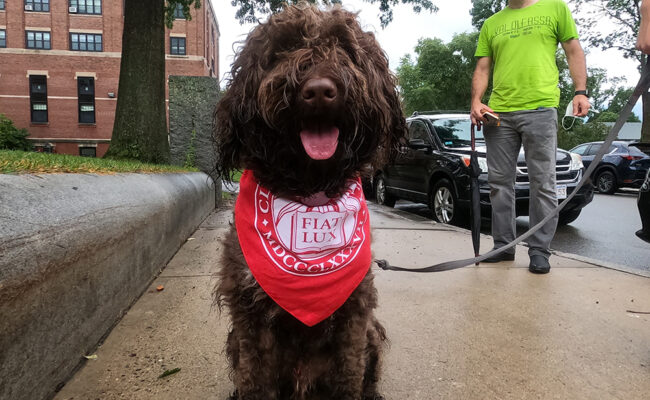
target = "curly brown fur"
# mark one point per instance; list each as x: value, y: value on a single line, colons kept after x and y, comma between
x: 272, y: 354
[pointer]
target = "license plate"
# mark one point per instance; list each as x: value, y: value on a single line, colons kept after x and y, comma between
x: 560, y: 190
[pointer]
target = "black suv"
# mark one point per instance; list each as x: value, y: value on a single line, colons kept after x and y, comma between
x: 433, y: 169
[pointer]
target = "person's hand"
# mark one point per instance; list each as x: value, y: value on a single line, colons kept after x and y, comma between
x: 581, y: 105
x: 643, y: 41
x: 476, y: 114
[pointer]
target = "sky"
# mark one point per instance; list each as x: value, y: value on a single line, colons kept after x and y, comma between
x: 401, y: 36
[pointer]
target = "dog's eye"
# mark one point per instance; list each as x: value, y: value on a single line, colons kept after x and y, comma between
x: 303, y: 67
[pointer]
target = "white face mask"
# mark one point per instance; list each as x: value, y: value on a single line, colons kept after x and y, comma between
x: 569, y: 119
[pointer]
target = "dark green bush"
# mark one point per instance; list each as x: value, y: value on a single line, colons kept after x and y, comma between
x: 581, y: 133
x: 12, y: 138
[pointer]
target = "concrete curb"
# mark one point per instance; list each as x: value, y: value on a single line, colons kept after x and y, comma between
x: 75, y: 252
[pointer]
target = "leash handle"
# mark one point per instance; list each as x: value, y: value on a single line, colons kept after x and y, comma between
x: 641, y: 87
x: 473, y: 138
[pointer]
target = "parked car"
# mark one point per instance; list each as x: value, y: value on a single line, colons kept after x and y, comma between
x: 433, y: 169
x: 624, y: 165
x: 644, y: 209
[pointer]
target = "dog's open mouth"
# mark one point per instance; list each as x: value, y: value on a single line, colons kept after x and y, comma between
x: 320, y: 141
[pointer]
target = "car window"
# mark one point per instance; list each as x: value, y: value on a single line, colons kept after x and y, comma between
x: 642, y: 147
x: 617, y: 149
x: 454, y: 132
x: 595, y: 148
x: 580, y: 149
x: 418, y: 130
x: 635, y: 151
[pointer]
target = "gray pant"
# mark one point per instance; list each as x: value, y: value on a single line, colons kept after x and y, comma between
x: 537, y: 131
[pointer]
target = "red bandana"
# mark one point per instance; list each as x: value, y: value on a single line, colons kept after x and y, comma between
x: 308, y: 259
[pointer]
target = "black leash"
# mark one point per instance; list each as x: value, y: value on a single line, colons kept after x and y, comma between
x: 641, y: 87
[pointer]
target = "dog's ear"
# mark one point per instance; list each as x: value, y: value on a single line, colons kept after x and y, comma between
x: 235, y: 113
x: 226, y: 137
x: 395, y: 135
x: 385, y: 106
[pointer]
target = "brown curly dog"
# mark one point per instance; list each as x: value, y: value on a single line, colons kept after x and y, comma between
x: 311, y: 102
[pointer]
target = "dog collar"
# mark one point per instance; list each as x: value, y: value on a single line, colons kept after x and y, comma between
x: 308, y: 259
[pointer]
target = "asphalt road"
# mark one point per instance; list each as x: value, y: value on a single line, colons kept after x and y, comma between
x: 604, y: 231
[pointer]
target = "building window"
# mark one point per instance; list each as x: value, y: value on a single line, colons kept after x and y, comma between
x: 88, y: 151
x: 2, y: 4
x: 3, y: 38
x: 86, y: 92
x: 178, y: 12
x: 177, y: 45
x: 38, y: 40
x: 37, y: 5
x: 85, y: 6
x: 38, y: 98
x: 85, y: 42
x: 44, y: 148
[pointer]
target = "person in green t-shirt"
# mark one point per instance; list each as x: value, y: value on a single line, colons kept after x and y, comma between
x: 520, y: 42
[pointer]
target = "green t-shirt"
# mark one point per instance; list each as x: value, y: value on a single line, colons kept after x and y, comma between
x: 522, y: 43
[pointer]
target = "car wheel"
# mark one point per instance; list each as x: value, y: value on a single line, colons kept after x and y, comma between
x: 381, y: 194
x: 443, y: 202
x: 368, y: 191
x: 566, y: 217
x: 606, y: 182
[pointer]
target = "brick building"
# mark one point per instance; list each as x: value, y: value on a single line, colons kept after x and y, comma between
x: 60, y: 64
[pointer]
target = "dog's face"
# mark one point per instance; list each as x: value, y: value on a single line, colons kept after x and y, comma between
x: 311, y: 101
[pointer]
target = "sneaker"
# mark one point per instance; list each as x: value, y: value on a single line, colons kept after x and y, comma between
x: 500, y: 257
x: 539, y: 265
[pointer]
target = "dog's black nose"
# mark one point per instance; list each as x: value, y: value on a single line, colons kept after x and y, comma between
x: 319, y: 92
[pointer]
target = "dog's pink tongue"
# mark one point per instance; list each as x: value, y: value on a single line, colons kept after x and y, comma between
x: 320, y: 143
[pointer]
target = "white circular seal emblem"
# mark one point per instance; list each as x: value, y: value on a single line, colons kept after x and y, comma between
x: 311, y: 240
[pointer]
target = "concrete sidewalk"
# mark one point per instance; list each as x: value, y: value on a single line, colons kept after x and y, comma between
x: 490, y: 332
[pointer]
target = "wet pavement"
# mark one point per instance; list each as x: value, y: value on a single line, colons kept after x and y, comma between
x: 603, y: 233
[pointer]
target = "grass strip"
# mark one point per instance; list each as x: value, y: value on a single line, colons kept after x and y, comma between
x: 21, y: 162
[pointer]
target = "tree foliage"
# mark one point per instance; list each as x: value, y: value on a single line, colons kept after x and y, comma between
x: 483, y: 9
x: 581, y: 133
x: 254, y: 10
x: 440, y: 77
x: 626, y: 15
x: 171, y: 5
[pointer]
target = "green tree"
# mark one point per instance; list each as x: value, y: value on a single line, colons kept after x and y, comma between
x: 12, y: 138
x: 604, y: 91
x: 140, y: 127
x: 581, y: 133
x: 627, y: 17
x: 483, y: 9
x: 619, y: 97
x: 440, y: 78
x: 254, y: 10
